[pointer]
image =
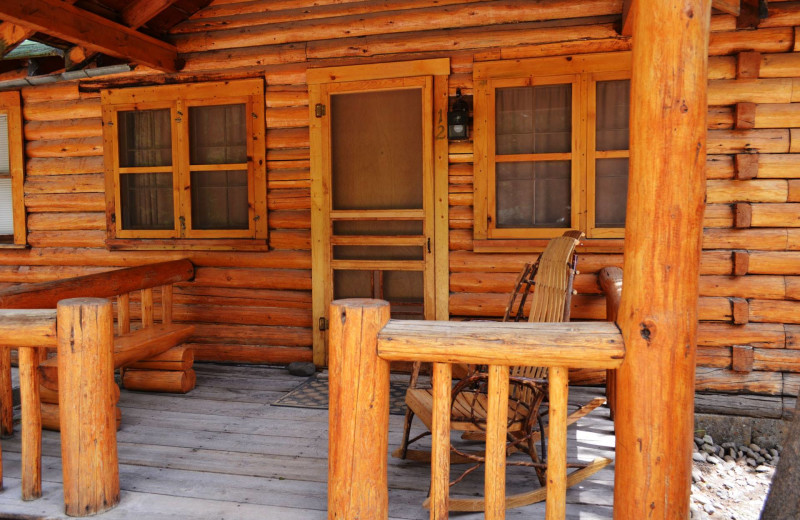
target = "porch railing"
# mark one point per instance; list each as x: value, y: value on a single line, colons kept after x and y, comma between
x: 75, y: 319
x: 117, y: 284
x: 362, y: 342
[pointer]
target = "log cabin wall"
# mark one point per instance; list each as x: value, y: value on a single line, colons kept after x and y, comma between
x: 256, y: 307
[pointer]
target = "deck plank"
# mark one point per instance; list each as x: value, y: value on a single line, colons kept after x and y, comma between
x: 222, y: 451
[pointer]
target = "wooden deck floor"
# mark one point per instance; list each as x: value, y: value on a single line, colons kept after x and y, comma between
x: 223, y: 452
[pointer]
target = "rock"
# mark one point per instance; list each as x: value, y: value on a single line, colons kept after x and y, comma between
x: 697, y: 476
x: 302, y: 368
x: 763, y: 469
x: 708, y: 508
x: 751, y: 462
x: 698, y: 456
x: 708, y: 449
x: 728, y: 458
x: 773, y: 452
x: 707, y: 439
x: 755, y: 447
x: 698, y: 441
x: 712, y: 460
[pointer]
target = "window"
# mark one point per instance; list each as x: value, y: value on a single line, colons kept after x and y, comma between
x: 551, y: 146
x: 12, y: 205
x: 186, y: 162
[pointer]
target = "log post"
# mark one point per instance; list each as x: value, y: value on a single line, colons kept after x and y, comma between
x: 440, y: 441
x: 6, y: 393
x: 359, y: 411
x: 496, y: 431
x: 658, y: 309
x: 86, y: 404
x: 31, y: 423
x: 556, y: 507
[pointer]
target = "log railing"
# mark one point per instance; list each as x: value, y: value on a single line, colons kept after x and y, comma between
x: 362, y: 342
x: 81, y: 325
x: 28, y: 331
x: 117, y: 284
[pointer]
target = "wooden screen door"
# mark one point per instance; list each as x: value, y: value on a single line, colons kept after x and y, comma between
x: 372, y: 196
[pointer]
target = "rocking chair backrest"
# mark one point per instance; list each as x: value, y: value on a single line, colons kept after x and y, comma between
x: 552, y: 284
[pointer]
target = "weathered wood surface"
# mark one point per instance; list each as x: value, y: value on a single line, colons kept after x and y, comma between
x: 359, y: 404
x: 659, y: 307
x: 48, y: 294
x: 88, y: 433
x: 28, y: 328
x: 588, y: 345
x: 223, y: 451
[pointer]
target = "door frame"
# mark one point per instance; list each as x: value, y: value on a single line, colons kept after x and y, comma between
x: 432, y: 75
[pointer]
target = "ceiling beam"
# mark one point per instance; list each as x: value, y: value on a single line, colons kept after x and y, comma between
x: 12, y: 35
x: 138, y: 13
x: 59, y: 19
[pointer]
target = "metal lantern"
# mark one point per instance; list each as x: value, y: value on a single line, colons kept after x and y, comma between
x: 458, y: 119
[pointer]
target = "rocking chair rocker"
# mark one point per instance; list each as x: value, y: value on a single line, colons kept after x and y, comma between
x: 552, y: 275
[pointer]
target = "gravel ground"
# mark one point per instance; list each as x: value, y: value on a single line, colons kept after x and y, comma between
x: 730, y: 482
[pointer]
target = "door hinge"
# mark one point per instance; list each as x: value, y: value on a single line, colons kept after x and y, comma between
x: 429, y: 245
x: 319, y: 110
x: 323, y: 324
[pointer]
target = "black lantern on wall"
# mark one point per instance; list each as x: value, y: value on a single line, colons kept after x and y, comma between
x: 458, y: 119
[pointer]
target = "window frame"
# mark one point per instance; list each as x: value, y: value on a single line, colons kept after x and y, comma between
x: 584, y: 71
x: 10, y: 104
x: 179, y: 99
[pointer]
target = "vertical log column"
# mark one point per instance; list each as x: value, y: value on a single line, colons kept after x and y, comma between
x: 658, y: 309
x: 31, y: 423
x: 6, y: 393
x: 440, y: 441
x: 359, y: 411
x: 86, y: 404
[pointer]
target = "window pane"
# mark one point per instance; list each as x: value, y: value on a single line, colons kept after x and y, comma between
x: 534, y: 194
x: 219, y: 200
x: 6, y: 207
x: 218, y: 134
x: 533, y: 119
x: 5, y: 166
x: 613, y: 114
x: 146, y: 200
x: 611, y: 192
x: 145, y: 138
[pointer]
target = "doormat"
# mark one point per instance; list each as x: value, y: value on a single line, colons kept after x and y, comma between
x: 313, y: 393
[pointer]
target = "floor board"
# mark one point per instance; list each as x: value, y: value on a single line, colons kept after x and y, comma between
x: 223, y: 452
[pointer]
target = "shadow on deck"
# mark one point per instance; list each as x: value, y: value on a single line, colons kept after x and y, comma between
x: 223, y: 451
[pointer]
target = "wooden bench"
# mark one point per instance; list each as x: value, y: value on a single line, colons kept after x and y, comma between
x: 159, y: 345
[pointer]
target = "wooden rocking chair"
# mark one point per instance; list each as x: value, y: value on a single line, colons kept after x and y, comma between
x: 552, y: 275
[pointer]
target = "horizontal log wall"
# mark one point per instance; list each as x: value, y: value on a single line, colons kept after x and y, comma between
x: 255, y: 307
x: 252, y: 307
